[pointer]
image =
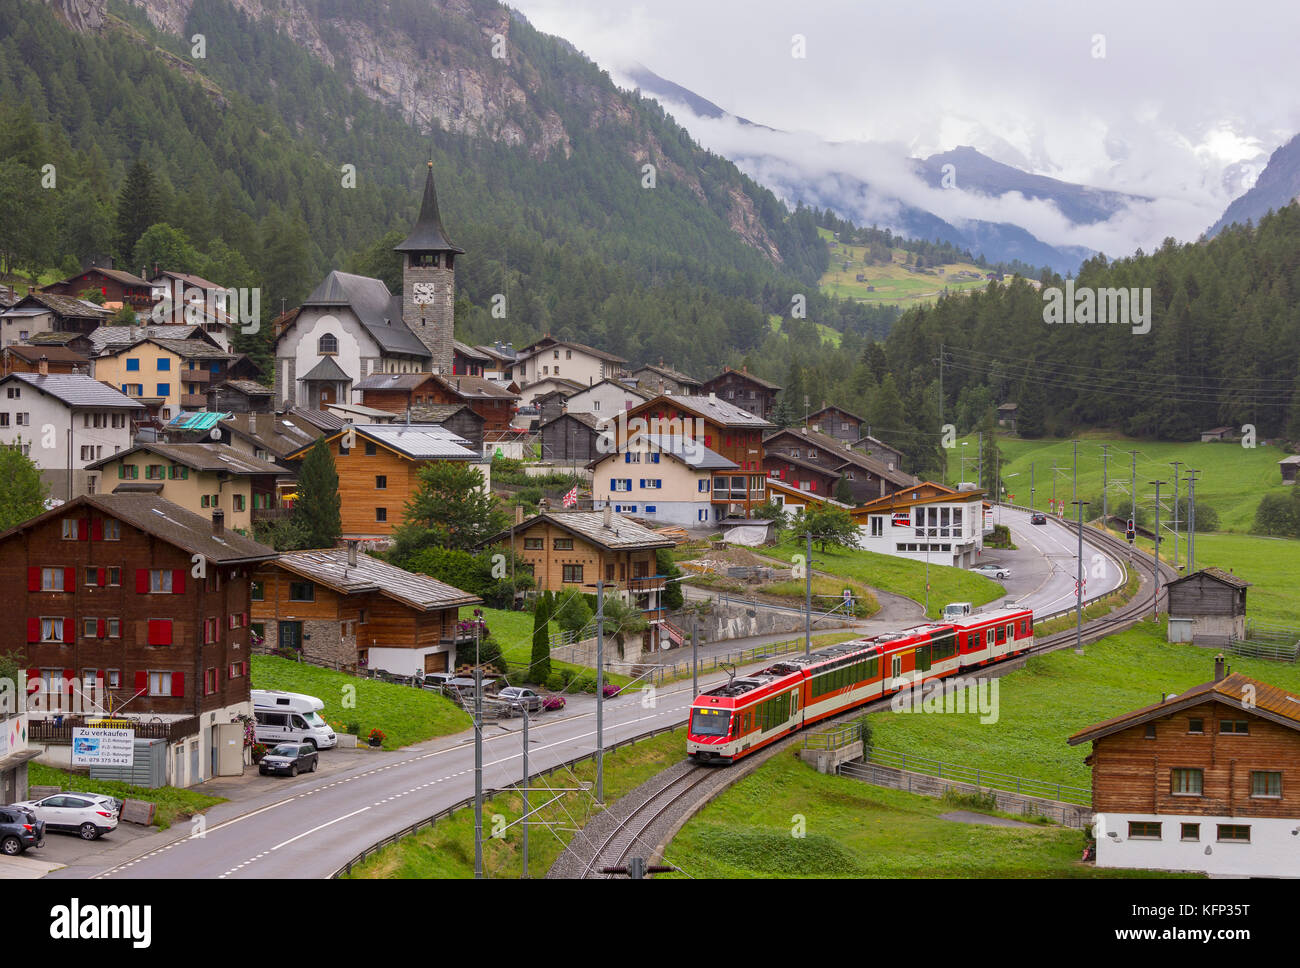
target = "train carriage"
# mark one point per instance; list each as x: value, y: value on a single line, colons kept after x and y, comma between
x: 750, y: 712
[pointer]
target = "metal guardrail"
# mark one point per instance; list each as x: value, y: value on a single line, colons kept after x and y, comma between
x: 833, y: 738
x: 988, y: 779
x: 1257, y: 649
x: 469, y: 801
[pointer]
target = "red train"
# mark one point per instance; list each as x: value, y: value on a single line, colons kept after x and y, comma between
x: 751, y: 711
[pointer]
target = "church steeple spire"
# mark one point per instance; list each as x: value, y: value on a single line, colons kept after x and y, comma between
x: 428, y: 235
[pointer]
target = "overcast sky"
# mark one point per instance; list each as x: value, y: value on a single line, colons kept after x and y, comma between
x: 1185, y: 105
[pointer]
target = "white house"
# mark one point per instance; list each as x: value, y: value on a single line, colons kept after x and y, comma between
x: 664, y: 479
x: 605, y: 399
x: 583, y: 364
x: 928, y: 522
x: 49, y: 416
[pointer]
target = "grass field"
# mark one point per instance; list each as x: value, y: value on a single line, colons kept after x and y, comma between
x: 893, y: 283
x: 898, y: 575
x: 447, y: 848
x: 827, y: 333
x: 1232, y: 478
x: 1056, y: 695
x: 406, y: 715
x: 513, y: 631
x: 172, y: 804
x: 853, y: 829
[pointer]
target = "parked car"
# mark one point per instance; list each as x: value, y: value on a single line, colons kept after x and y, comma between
x: 517, y: 697
x: 290, y: 758
x: 87, y: 814
x: 113, y: 803
x: 991, y: 570
x: 436, y: 680
x: 19, y: 829
x: 1038, y: 518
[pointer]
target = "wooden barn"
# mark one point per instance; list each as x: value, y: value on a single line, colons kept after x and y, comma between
x: 1289, y: 466
x: 571, y: 438
x: 1207, y: 607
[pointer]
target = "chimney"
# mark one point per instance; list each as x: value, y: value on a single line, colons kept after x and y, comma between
x: 1219, y: 670
x: 352, y: 554
x: 609, y: 515
x: 43, y: 365
x: 218, y: 522
x: 519, y: 514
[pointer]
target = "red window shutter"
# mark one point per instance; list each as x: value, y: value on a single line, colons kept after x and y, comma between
x: 245, y: 667
x: 178, y: 683
x: 83, y: 530
x: 69, y: 630
x: 160, y: 631
x: 97, y: 530
x: 142, y: 581
x: 33, y: 579
x: 102, y: 578
x: 141, y: 682
x: 33, y: 678
x: 101, y: 628
x: 178, y: 581
x: 69, y: 677
x: 34, y: 633
x: 69, y: 580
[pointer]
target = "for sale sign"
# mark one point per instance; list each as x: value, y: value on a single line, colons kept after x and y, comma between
x: 93, y: 746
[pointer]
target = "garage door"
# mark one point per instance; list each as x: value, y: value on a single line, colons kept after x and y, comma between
x: 435, y: 662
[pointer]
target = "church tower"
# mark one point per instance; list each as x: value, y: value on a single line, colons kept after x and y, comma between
x: 429, y: 280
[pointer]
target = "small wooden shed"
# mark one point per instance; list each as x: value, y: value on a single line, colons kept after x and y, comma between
x: 1214, y: 601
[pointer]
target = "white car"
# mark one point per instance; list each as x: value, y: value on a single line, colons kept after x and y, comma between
x: 88, y: 814
x: 993, y: 571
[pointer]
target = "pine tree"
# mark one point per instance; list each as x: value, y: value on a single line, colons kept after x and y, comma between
x: 539, y: 666
x: 317, y: 508
x: 139, y: 205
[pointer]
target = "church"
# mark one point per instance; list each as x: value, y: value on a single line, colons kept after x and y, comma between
x: 351, y: 326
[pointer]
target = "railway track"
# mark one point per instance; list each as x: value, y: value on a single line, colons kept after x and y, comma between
x: 661, y: 809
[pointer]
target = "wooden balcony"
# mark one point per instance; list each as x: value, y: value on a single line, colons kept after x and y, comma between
x: 193, y: 401
x: 650, y: 583
x: 270, y: 514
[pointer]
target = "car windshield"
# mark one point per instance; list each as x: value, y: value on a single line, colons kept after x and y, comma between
x: 313, y: 719
x: 285, y: 751
x: 710, y: 722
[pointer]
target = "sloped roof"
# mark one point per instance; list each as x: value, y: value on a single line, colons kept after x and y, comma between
x: 839, y: 450
x: 53, y: 338
x: 416, y: 441
x: 326, y: 369
x: 105, y: 337
x: 54, y: 354
x: 548, y: 343
x: 172, y: 523
x: 326, y: 422
x: 437, y: 413
x: 801, y: 462
x: 830, y: 407
x: 1218, y: 574
x: 379, y: 310
x: 1237, y: 691
x: 690, y: 452
x: 76, y: 390
x: 624, y: 534
x: 589, y: 420
x: 189, y: 279
x: 66, y: 305
x: 475, y: 388
x: 197, y: 420
x: 676, y: 376
x: 472, y: 352
x: 194, y: 349
x: 330, y: 567
x: 249, y: 387
x: 118, y: 275
x: 428, y: 233
x: 744, y: 375
x: 276, y: 433
x: 710, y: 408
x: 200, y: 457
x: 625, y: 387
x: 392, y: 381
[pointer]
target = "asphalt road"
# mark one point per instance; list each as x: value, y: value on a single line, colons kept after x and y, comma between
x: 310, y: 826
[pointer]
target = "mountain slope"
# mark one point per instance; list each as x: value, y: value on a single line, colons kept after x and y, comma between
x: 1278, y: 185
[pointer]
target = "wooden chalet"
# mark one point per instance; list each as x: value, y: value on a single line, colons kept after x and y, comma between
x: 20, y: 358
x: 117, y: 288
x: 744, y: 390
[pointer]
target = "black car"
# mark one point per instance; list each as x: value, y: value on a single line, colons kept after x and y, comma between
x: 291, y: 758
x: 1038, y: 518
x: 19, y: 829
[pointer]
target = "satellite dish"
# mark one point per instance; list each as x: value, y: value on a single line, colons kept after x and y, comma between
x: 215, y: 433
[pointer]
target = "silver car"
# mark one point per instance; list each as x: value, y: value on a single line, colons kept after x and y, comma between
x: 993, y: 571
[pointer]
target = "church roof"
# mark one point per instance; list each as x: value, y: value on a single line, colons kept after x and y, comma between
x: 379, y: 310
x: 428, y: 233
x: 327, y: 369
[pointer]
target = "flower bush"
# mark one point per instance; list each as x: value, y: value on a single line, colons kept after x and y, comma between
x: 376, y: 736
x: 610, y: 690
x: 259, y: 750
x: 551, y: 703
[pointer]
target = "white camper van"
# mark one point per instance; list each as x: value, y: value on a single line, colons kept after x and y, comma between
x: 953, y: 611
x: 291, y: 717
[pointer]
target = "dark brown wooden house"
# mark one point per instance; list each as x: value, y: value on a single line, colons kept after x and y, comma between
x: 136, y: 592
x: 395, y: 392
x: 803, y: 474
x: 1206, y: 780
x: 837, y: 422
x: 1207, y: 607
x: 742, y: 389
x: 20, y: 358
x: 461, y: 419
x: 114, y: 285
x: 571, y: 438
x: 867, y: 477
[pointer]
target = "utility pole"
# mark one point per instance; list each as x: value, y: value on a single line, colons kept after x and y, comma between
x: 695, y: 656
x: 940, y: 386
x: 526, y: 821
x: 1078, y: 587
x: 1191, y: 519
x: 979, y: 463
x: 1031, y: 485
x: 1133, y: 489
x: 1155, y: 605
x: 807, y: 614
x: 1105, y: 506
x: 1175, y: 463
x: 478, y: 761
x: 1053, y: 487
x: 600, y: 690
x: 1074, y: 487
